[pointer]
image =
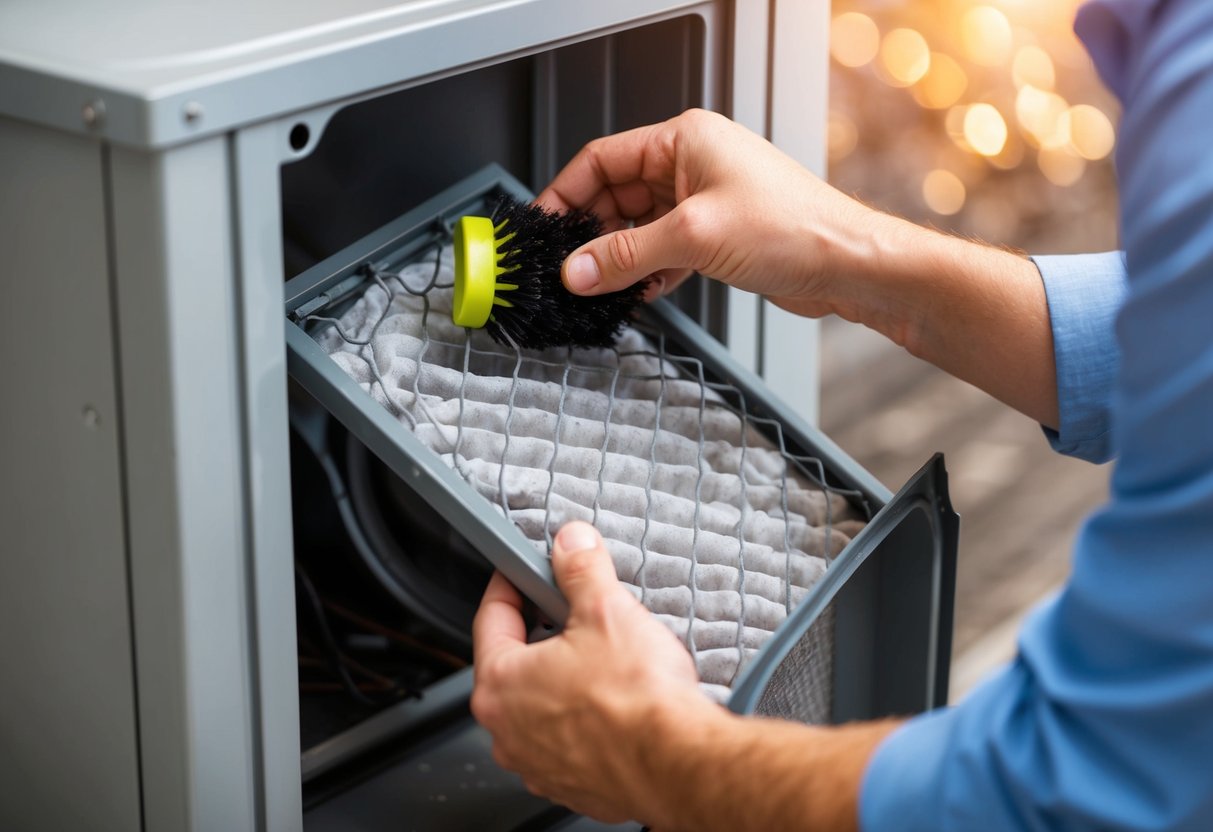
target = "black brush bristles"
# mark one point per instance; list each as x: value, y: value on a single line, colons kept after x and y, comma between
x: 542, y: 313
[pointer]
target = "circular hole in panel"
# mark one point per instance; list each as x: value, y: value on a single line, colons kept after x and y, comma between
x: 299, y: 136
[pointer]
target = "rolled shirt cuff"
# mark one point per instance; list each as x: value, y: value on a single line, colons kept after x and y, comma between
x: 1084, y: 293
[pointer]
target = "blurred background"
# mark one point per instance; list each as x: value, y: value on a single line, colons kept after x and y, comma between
x: 987, y: 120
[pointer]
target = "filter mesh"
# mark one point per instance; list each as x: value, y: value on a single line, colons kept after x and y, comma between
x: 801, y: 688
x: 717, y: 529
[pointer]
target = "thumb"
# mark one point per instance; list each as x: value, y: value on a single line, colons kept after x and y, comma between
x: 617, y: 260
x: 583, y: 567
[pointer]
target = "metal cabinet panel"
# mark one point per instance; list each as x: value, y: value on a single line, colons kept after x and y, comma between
x: 67, y: 697
x: 246, y: 63
x: 182, y: 393
x: 143, y: 449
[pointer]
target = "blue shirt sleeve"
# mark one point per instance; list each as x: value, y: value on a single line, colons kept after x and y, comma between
x: 1105, y: 719
x: 1084, y: 292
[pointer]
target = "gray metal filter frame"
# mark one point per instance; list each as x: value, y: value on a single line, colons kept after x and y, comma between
x: 887, y: 596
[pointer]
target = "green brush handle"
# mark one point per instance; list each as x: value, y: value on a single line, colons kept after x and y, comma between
x: 476, y: 271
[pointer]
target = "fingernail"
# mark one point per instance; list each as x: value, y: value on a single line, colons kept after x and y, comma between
x: 582, y: 273
x: 577, y: 537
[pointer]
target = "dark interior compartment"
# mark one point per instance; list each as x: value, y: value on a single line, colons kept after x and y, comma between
x: 385, y: 590
x: 382, y: 157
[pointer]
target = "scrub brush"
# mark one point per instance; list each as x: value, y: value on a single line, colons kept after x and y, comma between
x: 507, y: 279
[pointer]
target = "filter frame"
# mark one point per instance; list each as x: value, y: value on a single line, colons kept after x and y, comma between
x: 325, y: 290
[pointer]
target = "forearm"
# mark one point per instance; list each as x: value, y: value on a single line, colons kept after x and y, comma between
x: 770, y: 227
x: 977, y: 312
x: 708, y: 770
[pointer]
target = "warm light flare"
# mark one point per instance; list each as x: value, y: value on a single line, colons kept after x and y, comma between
x: 1091, y: 133
x: 1040, y: 113
x: 985, y: 129
x: 1060, y: 165
x: 854, y: 39
x: 954, y: 124
x: 1033, y: 66
x: 905, y: 57
x: 1010, y: 157
x: 943, y: 85
x: 943, y: 192
x: 1006, y: 103
x: 986, y: 35
x: 841, y: 136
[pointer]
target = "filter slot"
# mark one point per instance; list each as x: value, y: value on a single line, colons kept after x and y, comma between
x: 323, y: 293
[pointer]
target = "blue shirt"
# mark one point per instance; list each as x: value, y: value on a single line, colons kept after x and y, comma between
x: 1105, y: 718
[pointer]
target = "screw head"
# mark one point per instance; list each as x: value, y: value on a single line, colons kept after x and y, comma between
x: 191, y: 112
x: 93, y: 112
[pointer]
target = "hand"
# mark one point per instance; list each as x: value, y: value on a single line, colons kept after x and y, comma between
x: 578, y: 714
x: 709, y: 195
x: 706, y: 194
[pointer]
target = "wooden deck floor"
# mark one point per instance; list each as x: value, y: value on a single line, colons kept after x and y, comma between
x: 1020, y: 503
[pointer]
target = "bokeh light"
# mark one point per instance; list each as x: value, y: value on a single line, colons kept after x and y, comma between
x: 986, y: 35
x: 841, y: 136
x: 854, y: 39
x: 1040, y: 114
x: 1010, y: 157
x: 944, y: 83
x: 983, y: 108
x: 1060, y: 165
x: 954, y: 124
x: 1091, y: 133
x: 985, y: 129
x: 1033, y: 66
x: 904, y: 56
x: 943, y: 192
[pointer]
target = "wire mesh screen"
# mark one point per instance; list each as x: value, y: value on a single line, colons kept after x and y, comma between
x: 802, y: 686
x: 716, y: 526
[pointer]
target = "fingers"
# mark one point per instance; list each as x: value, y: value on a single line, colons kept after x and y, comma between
x: 624, y: 178
x: 627, y: 157
x: 583, y: 567
x: 617, y: 260
x: 498, y: 625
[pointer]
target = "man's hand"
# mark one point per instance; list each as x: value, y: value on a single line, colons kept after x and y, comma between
x: 701, y: 192
x: 607, y: 719
x: 707, y: 194
x: 579, y: 714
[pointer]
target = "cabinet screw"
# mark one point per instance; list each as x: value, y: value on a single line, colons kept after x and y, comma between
x: 93, y: 113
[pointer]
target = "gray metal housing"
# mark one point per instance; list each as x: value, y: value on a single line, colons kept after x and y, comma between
x: 146, y: 593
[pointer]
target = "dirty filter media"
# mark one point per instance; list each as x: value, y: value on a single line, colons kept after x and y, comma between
x: 715, y: 528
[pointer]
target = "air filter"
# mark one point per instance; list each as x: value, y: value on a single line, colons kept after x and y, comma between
x: 720, y: 510
x: 717, y: 532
